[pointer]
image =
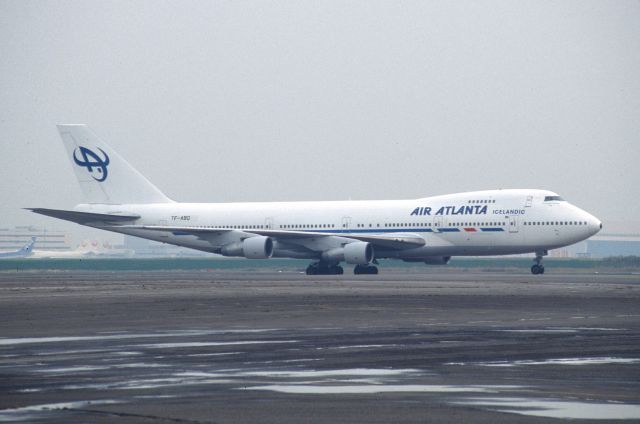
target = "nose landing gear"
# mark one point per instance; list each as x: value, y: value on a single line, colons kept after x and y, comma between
x: 538, y: 268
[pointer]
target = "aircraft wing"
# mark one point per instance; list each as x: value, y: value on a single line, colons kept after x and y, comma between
x: 398, y: 241
x: 85, y: 218
x: 394, y: 241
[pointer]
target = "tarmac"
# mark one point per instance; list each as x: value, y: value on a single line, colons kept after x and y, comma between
x: 280, y: 347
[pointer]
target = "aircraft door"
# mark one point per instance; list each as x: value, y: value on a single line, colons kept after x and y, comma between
x: 437, y: 223
x: 513, y: 224
x: 346, y: 222
x: 527, y: 203
x: 268, y: 223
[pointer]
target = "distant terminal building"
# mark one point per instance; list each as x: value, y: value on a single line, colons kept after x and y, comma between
x: 604, y: 248
x: 16, y: 237
x: 615, y: 239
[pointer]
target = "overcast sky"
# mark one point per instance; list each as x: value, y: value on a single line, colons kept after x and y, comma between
x: 222, y: 101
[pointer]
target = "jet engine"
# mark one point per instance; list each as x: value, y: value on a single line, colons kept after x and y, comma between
x: 259, y: 247
x: 357, y: 253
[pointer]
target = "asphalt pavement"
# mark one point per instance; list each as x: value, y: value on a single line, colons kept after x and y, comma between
x: 281, y: 347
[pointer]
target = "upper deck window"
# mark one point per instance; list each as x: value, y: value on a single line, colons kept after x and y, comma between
x: 553, y: 199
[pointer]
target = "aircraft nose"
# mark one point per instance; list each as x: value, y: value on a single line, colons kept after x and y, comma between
x: 595, y: 225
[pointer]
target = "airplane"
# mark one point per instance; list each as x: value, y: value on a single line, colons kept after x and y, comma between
x: 23, y: 252
x: 431, y: 230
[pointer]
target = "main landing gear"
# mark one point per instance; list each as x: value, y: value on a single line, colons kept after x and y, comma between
x: 365, y: 269
x: 324, y: 268
x: 538, y: 268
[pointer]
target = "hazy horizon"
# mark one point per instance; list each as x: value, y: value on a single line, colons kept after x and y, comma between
x: 264, y: 101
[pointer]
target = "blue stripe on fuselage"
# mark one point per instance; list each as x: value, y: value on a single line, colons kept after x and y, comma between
x: 371, y: 230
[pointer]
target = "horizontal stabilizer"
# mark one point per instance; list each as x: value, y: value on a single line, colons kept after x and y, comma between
x: 85, y: 218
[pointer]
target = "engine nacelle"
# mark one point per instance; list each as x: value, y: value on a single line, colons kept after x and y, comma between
x: 259, y: 247
x: 358, y: 253
x: 437, y: 260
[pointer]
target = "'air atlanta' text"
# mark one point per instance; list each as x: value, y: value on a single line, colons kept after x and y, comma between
x: 452, y: 210
x: 465, y: 210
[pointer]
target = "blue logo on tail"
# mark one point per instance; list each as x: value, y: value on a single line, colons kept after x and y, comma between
x: 92, y: 162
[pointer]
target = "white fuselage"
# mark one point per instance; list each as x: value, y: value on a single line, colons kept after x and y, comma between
x: 492, y: 222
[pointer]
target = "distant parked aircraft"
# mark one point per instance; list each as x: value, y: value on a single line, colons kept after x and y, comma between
x: 26, y: 250
x: 86, y: 249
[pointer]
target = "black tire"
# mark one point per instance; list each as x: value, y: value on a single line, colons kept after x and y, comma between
x: 365, y: 269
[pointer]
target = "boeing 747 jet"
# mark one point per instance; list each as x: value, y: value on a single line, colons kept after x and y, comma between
x: 431, y: 230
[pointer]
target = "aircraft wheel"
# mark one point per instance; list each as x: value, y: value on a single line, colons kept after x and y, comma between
x: 537, y: 269
x: 337, y: 270
x: 365, y: 269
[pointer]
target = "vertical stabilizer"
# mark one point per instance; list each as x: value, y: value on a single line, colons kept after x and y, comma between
x: 104, y: 176
x: 29, y: 247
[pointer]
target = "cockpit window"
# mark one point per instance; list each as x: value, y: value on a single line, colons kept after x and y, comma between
x: 553, y: 199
